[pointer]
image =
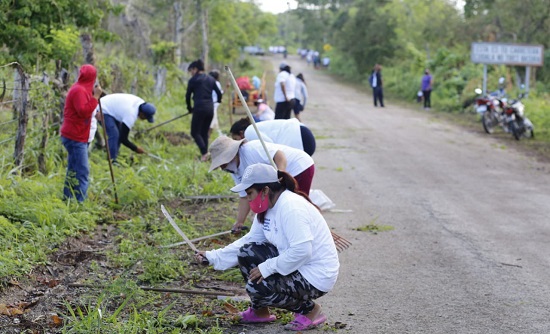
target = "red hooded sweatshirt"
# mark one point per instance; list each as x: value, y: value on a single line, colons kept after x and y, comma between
x: 79, y: 106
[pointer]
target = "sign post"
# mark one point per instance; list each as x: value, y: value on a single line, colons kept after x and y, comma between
x: 507, y: 54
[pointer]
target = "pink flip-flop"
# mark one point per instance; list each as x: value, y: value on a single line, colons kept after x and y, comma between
x: 302, y: 323
x: 249, y: 317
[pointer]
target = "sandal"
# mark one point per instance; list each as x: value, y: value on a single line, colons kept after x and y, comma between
x: 249, y: 317
x: 302, y: 323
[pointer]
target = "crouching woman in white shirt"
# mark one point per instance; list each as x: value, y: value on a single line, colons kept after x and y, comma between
x: 288, y: 259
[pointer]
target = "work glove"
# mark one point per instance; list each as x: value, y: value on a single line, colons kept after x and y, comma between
x: 139, y: 150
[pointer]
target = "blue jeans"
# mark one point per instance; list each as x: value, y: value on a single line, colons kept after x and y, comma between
x: 112, y: 128
x: 76, y: 180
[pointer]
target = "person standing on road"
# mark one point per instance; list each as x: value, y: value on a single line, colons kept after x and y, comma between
x: 288, y: 259
x: 426, y: 87
x: 285, y: 85
x: 375, y: 81
x: 201, y: 86
x: 300, y: 96
x: 289, y: 132
x: 80, y: 104
x: 233, y: 156
x: 214, y: 124
x: 120, y: 112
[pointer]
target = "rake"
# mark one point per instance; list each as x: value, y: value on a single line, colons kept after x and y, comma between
x: 341, y: 243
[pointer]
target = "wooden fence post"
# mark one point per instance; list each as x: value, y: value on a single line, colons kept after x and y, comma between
x: 21, y: 107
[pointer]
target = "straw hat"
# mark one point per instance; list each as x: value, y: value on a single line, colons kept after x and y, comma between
x: 223, y: 150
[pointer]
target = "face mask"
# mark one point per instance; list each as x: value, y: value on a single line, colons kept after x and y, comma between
x: 257, y: 205
x: 231, y: 167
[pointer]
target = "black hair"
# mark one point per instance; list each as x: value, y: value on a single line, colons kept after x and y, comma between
x: 215, y: 74
x: 301, y: 77
x: 239, y: 126
x: 286, y: 182
x: 198, y: 64
x: 287, y: 68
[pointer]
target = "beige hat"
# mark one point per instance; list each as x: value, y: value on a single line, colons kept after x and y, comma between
x: 223, y: 150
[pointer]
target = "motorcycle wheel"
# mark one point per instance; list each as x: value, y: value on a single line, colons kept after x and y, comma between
x: 489, y: 121
x: 516, y: 131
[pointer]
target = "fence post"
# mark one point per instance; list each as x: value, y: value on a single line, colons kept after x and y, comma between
x: 21, y: 109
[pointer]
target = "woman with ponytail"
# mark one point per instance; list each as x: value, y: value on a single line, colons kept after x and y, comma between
x: 201, y: 86
x: 288, y: 259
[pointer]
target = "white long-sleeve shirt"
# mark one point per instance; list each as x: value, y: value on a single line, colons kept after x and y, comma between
x: 301, y: 236
x: 301, y: 92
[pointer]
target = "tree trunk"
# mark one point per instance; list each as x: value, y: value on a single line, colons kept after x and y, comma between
x: 178, y: 31
x: 204, y: 29
x: 87, y: 48
x: 160, y: 81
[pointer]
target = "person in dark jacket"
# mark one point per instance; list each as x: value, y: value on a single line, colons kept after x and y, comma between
x: 121, y: 112
x: 80, y: 104
x: 375, y: 81
x: 201, y: 86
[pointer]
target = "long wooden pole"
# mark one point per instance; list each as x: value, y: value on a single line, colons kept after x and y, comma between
x: 243, y: 102
x: 108, y: 151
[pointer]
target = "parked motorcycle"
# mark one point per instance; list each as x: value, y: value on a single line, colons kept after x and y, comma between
x: 497, y: 111
x: 518, y: 123
x: 491, y: 110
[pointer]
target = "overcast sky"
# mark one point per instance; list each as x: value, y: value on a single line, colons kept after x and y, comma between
x: 276, y: 6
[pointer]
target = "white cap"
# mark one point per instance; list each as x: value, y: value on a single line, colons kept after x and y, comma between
x: 256, y: 174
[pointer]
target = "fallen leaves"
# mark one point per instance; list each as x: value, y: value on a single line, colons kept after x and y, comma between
x: 10, y: 310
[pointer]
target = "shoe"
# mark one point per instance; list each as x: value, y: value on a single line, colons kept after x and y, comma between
x: 249, y: 317
x: 302, y: 323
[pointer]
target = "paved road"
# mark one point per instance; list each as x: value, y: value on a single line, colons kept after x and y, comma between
x: 470, y: 249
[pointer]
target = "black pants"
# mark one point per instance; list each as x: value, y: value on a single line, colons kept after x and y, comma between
x: 200, y: 124
x: 378, y: 95
x: 308, y: 140
x: 291, y: 292
x: 427, y: 98
x: 283, y: 110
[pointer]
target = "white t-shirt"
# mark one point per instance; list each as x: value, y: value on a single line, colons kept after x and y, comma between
x: 301, y: 92
x: 301, y: 236
x: 279, y: 131
x: 93, y: 126
x: 252, y: 152
x: 122, y: 107
x: 290, y: 86
x: 266, y: 113
x: 214, y: 95
x: 278, y: 95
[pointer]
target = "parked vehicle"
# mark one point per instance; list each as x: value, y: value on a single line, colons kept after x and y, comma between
x: 491, y: 110
x: 508, y: 115
x: 518, y: 123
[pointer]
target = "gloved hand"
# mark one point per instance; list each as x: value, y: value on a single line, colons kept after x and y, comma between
x: 190, y: 110
x: 139, y: 150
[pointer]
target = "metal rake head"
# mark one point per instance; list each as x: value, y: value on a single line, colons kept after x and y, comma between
x: 340, y: 242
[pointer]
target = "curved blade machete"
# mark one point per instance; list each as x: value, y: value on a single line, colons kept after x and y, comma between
x: 180, y: 232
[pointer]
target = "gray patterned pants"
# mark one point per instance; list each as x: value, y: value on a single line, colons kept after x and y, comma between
x: 292, y: 292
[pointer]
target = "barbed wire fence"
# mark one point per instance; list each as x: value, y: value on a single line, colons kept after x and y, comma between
x: 44, y: 119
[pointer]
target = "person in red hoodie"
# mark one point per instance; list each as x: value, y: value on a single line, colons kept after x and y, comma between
x: 80, y: 104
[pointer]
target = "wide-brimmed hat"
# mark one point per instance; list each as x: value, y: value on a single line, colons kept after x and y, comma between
x: 256, y: 174
x: 223, y: 150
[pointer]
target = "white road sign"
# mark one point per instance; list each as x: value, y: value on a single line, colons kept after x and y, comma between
x: 508, y: 54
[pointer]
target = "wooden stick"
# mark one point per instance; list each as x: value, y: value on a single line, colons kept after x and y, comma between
x: 191, y: 292
x: 166, y: 122
x: 241, y: 97
x: 108, y: 151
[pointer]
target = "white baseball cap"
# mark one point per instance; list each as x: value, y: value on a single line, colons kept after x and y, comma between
x: 256, y: 174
